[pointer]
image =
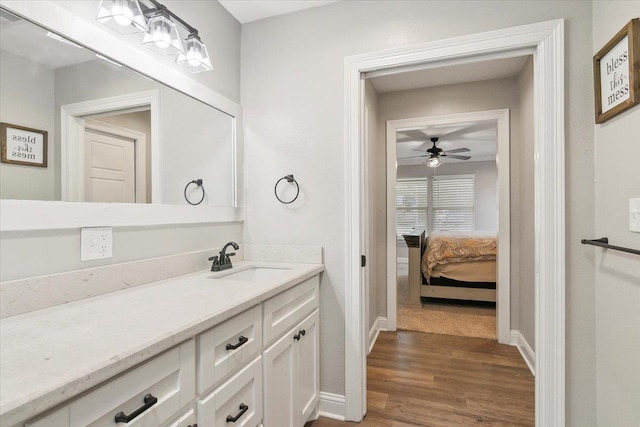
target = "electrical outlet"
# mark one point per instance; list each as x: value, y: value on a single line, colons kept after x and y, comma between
x: 634, y: 215
x: 96, y: 243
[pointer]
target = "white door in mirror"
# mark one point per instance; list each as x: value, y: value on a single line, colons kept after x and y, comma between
x: 96, y: 243
x: 109, y: 168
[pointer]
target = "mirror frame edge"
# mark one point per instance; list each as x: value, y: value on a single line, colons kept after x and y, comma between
x: 45, y: 215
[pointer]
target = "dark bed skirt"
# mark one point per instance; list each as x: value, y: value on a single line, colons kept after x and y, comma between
x: 443, y: 281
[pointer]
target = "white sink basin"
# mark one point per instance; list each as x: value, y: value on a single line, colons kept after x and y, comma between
x: 253, y: 273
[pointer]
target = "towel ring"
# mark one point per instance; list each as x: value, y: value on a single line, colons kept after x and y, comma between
x: 289, y: 178
x: 197, y: 182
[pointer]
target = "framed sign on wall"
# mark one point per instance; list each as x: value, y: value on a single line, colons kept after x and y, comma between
x: 616, y: 69
x: 23, y: 146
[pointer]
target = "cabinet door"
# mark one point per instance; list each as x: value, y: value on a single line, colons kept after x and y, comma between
x: 307, y: 368
x: 279, y: 380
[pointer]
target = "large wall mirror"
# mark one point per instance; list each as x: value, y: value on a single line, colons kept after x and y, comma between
x: 114, y: 135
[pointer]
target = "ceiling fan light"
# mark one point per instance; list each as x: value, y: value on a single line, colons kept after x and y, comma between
x: 123, y: 16
x: 433, y: 162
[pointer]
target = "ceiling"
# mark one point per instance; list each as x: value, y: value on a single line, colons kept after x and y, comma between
x: 479, y: 137
x: 253, y: 10
x: 451, y: 74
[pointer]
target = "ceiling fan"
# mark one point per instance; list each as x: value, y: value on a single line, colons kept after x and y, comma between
x: 435, y: 154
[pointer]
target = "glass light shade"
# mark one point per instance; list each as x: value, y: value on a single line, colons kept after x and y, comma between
x: 123, y: 16
x: 162, y: 36
x: 433, y: 162
x: 195, y: 57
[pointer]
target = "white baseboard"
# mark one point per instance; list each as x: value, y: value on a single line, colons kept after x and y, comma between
x: 331, y: 406
x: 525, y: 350
x: 379, y: 325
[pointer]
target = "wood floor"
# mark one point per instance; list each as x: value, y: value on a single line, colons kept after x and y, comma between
x: 418, y: 379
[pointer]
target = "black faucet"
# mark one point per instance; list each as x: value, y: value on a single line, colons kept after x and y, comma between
x: 222, y: 261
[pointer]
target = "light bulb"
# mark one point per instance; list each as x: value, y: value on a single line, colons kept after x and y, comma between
x: 433, y: 162
x: 194, y: 57
x: 161, y: 36
x: 161, y: 39
x: 122, y: 14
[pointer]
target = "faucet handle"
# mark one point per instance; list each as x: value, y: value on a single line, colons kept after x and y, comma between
x: 214, y: 259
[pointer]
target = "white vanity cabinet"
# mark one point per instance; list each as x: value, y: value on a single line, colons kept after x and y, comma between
x: 147, y: 396
x: 291, y: 363
x: 291, y: 373
x: 259, y: 366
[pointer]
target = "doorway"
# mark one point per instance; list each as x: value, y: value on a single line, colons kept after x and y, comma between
x: 74, y: 118
x: 115, y: 160
x: 545, y: 41
x: 472, y: 120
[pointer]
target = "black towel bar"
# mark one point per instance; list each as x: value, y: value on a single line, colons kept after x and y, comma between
x: 603, y: 242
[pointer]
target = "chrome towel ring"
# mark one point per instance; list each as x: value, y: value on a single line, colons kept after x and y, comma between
x: 289, y: 179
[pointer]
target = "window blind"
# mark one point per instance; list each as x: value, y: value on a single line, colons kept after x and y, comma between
x: 454, y: 202
x: 411, y: 205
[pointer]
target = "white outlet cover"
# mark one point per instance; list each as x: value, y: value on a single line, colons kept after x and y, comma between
x: 96, y: 243
x: 634, y: 215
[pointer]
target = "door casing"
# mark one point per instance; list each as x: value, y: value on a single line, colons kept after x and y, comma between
x: 501, y: 119
x: 545, y: 41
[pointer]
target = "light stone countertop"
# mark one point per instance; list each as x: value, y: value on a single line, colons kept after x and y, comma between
x: 51, y: 355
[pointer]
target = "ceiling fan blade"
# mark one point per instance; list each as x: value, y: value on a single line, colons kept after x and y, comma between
x: 466, y: 130
x: 411, y: 135
x: 453, y: 156
x: 458, y: 150
x: 413, y: 157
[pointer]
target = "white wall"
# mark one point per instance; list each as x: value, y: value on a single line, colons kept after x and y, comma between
x: 27, y: 90
x: 293, y: 95
x: 58, y: 250
x: 617, y: 283
x: 523, y: 210
x: 376, y: 233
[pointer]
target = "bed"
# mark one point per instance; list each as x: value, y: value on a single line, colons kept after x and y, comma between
x: 453, y: 265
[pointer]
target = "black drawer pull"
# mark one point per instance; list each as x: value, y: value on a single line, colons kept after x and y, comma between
x: 243, y: 409
x: 149, y: 401
x: 241, y: 341
x: 299, y: 335
x: 194, y: 425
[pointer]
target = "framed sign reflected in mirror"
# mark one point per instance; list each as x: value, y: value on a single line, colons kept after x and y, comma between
x: 616, y: 69
x: 23, y: 146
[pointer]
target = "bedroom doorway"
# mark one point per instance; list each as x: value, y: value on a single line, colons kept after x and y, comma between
x: 494, y: 147
x: 545, y: 41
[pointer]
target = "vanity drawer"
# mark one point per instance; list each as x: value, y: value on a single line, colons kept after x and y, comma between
x: 228, y: 346
x: 237, y: 402
x: 187, y: 419
x: 169, y: 378
x: 285, y: 310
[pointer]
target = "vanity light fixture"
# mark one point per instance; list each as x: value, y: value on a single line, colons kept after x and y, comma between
x: 123, y: 16
x: 433, y: 162
x: 162, y: 35
x: 195, y: 58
